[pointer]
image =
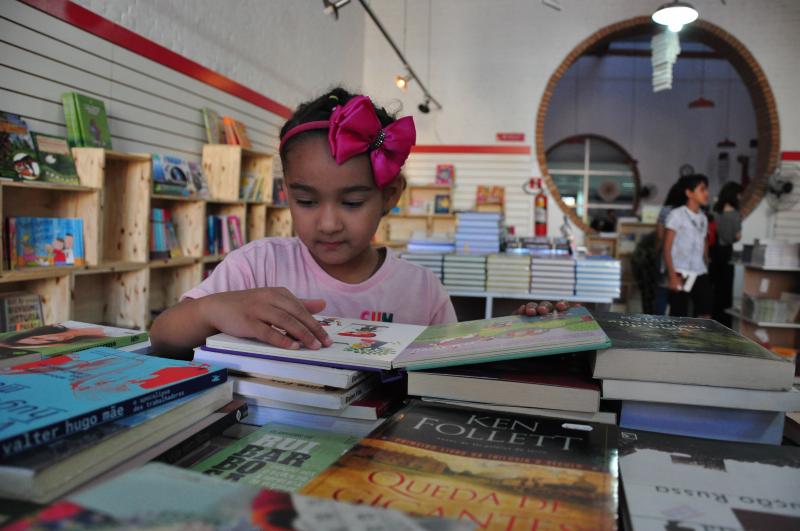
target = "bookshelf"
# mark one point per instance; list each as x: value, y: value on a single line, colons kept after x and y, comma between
x: 417, y: 213
x: 119, y: 284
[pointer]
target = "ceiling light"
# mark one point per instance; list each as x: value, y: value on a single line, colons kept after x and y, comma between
x: 332, y: 7
x: 402, y: 81
x: 675, y: 15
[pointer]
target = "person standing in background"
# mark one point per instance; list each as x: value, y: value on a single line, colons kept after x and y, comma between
x: 729, y: 231
x: 675, y: 198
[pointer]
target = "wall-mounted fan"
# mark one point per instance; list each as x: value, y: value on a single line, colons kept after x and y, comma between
x: 783, y: 186
x: 608, y: 191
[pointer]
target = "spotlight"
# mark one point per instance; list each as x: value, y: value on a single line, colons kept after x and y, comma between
x: 402, y: 81
x: 675, y: 15
x: 425, y: 107
x: 332, y: 7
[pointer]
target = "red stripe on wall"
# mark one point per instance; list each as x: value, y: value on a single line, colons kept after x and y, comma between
x: 497, y: 150
x: 105, y: 29
x: 790, y: 155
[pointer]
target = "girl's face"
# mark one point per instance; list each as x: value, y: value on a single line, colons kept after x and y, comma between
x: 335, y: 208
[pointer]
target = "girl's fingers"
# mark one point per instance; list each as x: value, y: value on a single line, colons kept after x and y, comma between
x: 297, y: 309
x: 562, y: 306
x: 267, y: 334
x: 284, y: 320
x: 545, y: 307
x: 530, y: 308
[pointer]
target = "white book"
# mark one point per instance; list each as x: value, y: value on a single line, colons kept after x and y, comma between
x: 261, y: 367
x: 354, y: 410
x: 600, y: 417
x: 299, y: 393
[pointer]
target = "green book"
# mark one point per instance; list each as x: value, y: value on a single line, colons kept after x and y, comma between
x: 55, y: 159
x: 91, y: 121
x: 70, y: 336
x: 17, y: 154
x: 71, y: 120
x: 278, y: 456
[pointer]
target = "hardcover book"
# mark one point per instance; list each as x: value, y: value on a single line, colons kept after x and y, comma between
x: 63, y: 338
x: 688, y: 351
x: 43, y: 242
x: 445, y: 174
x: 63, y: 395
x: 278, y: 456
x: 55, y: 159
x: 385, y: 346
x: 176, y: 176
x: 301, y: 393
x: 89, y: 117
x: 159, y: 496
x: 17, y: 153
x: 214, y: 132
x: 494, y: 470
x: 681, y: 483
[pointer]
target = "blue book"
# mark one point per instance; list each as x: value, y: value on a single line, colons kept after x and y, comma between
x: 705, y: 422
x: 41, y: 242
x: 47, y: 400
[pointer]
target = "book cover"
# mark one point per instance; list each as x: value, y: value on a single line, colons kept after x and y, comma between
x: 55, y: 159
x: 445, y: 174
x: 241, y: 134
x: 71, y: 120
x: 230, y: 130
x: 278, y: 456
x: 159, y: 496
x: 441, y: 204
x: 92, y: 121
x: 279, y: 197
x: 213, y: 124
x: 17, y: 152
x: 42, y: 242
x: 63, y: 395
x: 174, y: 173
x: 494, y: 470
x: 678, y: 483
x: 20, y: 311
x: 302, y: 393
x: 197, y: 178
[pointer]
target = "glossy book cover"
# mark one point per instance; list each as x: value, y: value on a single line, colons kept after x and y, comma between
x: 44, y: 401
x: 495, y: 470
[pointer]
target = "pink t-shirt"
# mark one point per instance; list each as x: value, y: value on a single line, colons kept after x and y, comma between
x: 399, y: 292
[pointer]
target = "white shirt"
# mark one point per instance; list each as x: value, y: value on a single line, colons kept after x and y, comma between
x: 688, y: 247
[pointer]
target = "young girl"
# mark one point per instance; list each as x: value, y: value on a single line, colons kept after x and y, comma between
x: 729, y: 231
x: 685, y: 249
x: 341, y: 159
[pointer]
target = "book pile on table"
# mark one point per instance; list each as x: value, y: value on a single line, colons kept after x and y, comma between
x: 478, y: 232
x: 694, y: 377
x: 464, y: 272
x: 432, y: 261
x: 776, y: 254
x: 436, y: 243
x: 598, y: 276
x: 84, y: 416
x: 510, y: 273
x: 553, y: 275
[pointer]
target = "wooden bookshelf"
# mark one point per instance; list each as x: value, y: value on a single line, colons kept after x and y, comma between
x: 397, y: 227
x: 119, y: 284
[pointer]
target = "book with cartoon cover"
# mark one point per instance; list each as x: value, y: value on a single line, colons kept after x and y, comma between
x: 55, y: 159
x: 43, y: 242
x: 17, y: 153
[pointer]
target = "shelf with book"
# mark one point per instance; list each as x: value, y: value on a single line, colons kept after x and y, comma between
x: 115, y: 298
x: 110, y: 267
x: 256, y: 221
x: 54, y: 291
x: 177, y: 261
x: 175, y: 198
x: 279, y: 222
x: 228, y: 169
x: 189, y: 220
x: 36, y: 273
x: 735, y: 313
x: 37, y: 185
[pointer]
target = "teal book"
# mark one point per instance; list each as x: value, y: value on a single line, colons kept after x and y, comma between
x: 278, y: 456
x: 44, y: 401
x: 55, y: 159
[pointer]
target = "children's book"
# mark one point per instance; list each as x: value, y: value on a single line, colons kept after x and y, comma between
x: 55, y: 159
x: 214, y: 133
x: 503, y: 470
x: 37, y: 343
x: 20, y: 310
x: 684, y: 350
x: 441, y: 204
x: 278, y: 456
x: 42, y: 242
x: 159, y: 496
x: 678, y: 483
x: 62, y: 395
x: 385, y: 346
x: 445, y: 174
x: 198, y: 179
x: 17, y: 152
x: 173, y: 175
x: 88, y: 115
x: 302, y: 393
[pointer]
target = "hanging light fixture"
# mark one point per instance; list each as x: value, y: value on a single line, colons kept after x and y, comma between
x: 727, y: 143
x: 701, y: 102
x: 675, y: 15
x: 402, y: 81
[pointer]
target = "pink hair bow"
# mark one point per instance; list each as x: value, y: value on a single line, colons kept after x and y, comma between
x: 355, y: 129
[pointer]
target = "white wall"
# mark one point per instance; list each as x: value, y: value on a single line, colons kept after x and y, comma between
x: 288, y: 50
x: 490, y: 61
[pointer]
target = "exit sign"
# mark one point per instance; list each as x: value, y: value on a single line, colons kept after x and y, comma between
x: 511, y: 137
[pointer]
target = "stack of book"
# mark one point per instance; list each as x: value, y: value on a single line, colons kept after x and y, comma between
x: 763, y: 309
x: 478, y: 232
x: 598, y: 276
x: 464, y: 272
x: 435, y: 243
x: 510, y: 273
x: 96, y: 412
x: 694, y: 377
x: 224, y: 234
x: 776, y: 254
x: 163, y: 236
x: 432, y: 261
x: 553, y: 275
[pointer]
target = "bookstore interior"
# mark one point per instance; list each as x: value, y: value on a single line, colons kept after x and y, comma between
x: 565, y: 293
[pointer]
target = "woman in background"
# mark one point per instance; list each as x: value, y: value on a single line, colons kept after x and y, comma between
x: 729, y: 231
x: 673, y: 200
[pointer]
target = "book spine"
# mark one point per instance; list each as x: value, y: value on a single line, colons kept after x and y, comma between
x: 212, y: 248
x: 79, y: 423
x: 12, y: 243
x: 226, y: 238
x: 68, y: 103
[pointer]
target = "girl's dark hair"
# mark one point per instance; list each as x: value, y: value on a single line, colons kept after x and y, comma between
x: 690, y: 182
x: 675, y: 196
x: 321, y: 109
x: 729, y: 195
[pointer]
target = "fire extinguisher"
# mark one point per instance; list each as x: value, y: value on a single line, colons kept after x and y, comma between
x: 534, y: 187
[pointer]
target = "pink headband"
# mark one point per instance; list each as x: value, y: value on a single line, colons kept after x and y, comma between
x: 354, y: 128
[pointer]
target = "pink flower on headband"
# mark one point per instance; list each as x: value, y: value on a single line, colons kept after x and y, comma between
x: 355, y: 129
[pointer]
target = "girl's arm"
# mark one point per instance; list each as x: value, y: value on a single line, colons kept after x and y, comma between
x: 252, y: 313
x: 674, y: 279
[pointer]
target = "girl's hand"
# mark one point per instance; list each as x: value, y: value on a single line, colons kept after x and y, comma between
x: 675, y: 282
x: 256, y: 313
x: 541, y: 308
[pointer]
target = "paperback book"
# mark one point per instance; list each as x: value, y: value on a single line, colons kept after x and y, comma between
x: 62, y: 395
x: 302, y: 393
x: 494, y: 470
x: 20, y: 310
x: 55, y: 159
x: 63, y: 338
x: 681, y: 483
x: 687, y: 351
x: 278, y: 456
x: 213, y: 124
x: 17, y: 153
x: 159, y: 496
x: 86, y: 120
x: 45, y: 242
x: 176, y: 176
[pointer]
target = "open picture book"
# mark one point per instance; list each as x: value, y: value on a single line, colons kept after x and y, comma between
x: 369, y: 345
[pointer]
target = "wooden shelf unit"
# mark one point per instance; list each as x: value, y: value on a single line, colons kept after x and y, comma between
x: 119, y: 284
x: 397, y: 227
